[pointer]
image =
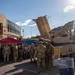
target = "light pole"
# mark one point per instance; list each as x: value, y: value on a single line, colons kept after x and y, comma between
x: 23, y: 32
x: 31, y: 31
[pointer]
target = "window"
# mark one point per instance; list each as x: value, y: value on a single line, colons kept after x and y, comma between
x: 1, y: 28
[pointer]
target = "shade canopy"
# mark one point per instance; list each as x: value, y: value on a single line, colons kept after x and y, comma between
x: 10, y: 40
x: 28, y: 42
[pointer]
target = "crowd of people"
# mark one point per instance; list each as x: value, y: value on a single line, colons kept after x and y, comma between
x: 42, y: 53
x: 13, y: 52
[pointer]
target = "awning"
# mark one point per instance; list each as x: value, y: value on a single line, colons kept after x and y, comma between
x: 10, y: 40
x: 29, y: 42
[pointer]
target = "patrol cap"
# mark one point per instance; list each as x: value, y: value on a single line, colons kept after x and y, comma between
x: 49, y: 41
x: 32, y: 43
x: 40, y: 42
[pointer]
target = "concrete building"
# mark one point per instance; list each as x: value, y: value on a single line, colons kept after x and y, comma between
x: 43, y: 26
x: 8, y: 28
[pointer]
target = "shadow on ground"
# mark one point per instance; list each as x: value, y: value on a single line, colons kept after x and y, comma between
x: 31, y: 69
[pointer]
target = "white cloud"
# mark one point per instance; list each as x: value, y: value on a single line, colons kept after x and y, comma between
x: 67, y: 8
x: 34, y: 35
x: 24, y: 23
x: 32, y: 25
x: 28, y: 36
x: 18, y: 23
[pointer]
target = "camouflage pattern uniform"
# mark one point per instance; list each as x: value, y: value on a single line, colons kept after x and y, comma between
x: 15, y: 53
x: 27, y: 48
x: 41, y: 57
x: 49, y: 53
x: 6, y: 53
x: 32, y: 52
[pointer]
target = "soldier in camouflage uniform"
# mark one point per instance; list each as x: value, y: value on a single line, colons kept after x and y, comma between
x: 6, y: 53
x: 15, y: 53
x: 41, y: 57
x: 49, y: 53
x: 32, y: 51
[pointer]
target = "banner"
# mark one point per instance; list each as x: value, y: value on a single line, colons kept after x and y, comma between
x: 56, y: 56
x: 66, y: 62
x: 56, y: 50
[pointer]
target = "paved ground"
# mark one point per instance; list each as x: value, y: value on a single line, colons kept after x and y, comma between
x: 24, y: 68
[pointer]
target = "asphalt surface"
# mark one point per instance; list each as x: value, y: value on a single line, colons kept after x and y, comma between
x: 24, y: 68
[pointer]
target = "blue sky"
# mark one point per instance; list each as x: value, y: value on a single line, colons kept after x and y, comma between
x: 22, y: 12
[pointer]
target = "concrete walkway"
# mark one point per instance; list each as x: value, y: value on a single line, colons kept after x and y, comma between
x: 24, y: 68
